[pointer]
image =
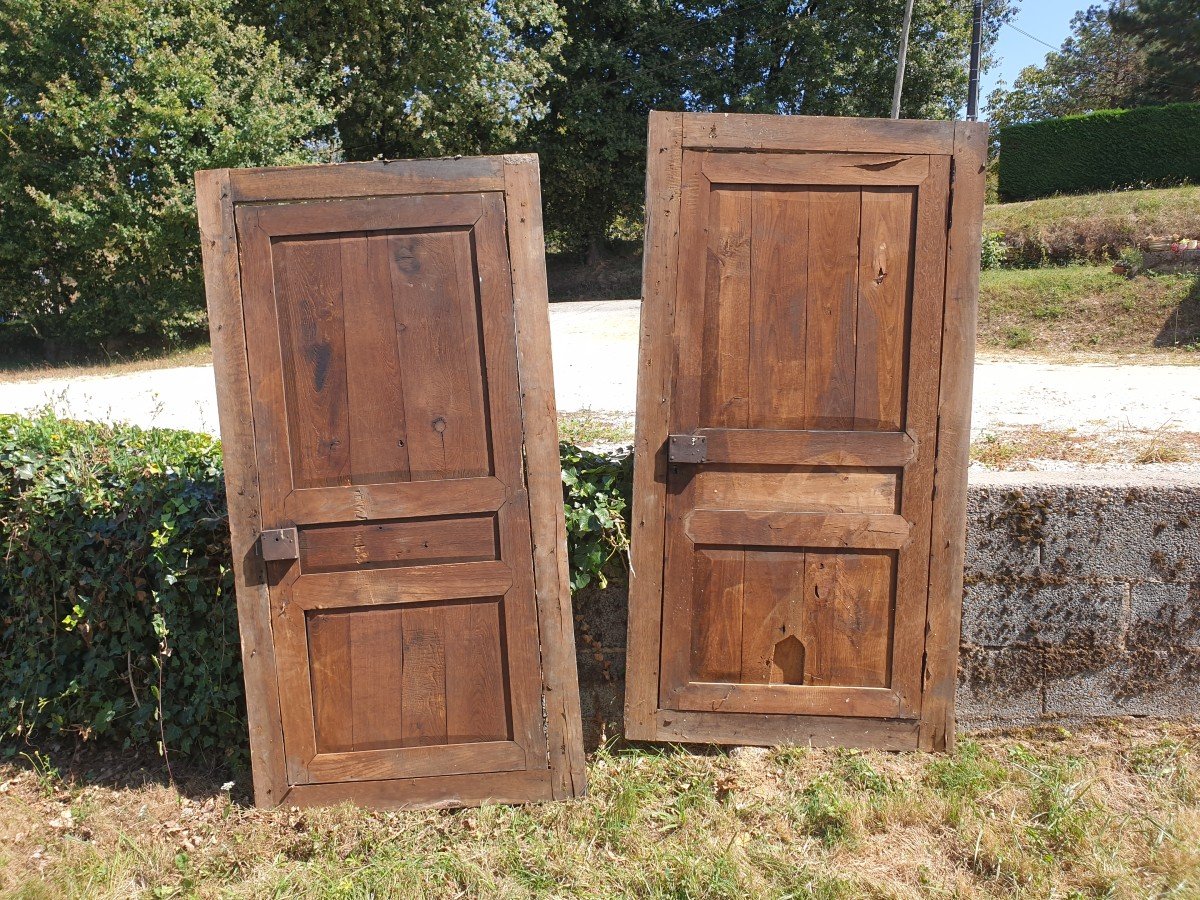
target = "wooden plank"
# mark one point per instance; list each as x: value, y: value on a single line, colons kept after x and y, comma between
x: 367, y: 179
x: 816, y: 168
x: 419, y: 542
x: 437, y: 792
x: 423, y: 695
x: 776, y: 529
x: 222, y: 286
x: 308, y: 299
x: 413, y: 584
x: 954, y: 438
x: 796, y: 489
x: 331, y: 217
x: 520, y: 609
x: 417, y: 762
x: 771, y: 447
x: 375, y: 671
x: 724, y: 390
x: 772, y: 601
x: 776, y: 730
x: 846, y: 620
x: 778, y: 308
x: 659, y: 270
x: 272, y: 447
x: 815, y: 133
x: 437, y: 317
x: 539, y: 426
x: 456, y: 496
x: 333, y: 709
x: 885, y: 269
x: 716, y: 619
x: 476, y: 701
x: 374, y: 383
x: 786, y: 699
x: 925, y: 339
x: 832, y: 308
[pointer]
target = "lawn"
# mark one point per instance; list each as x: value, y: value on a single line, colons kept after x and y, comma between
x: 1110, y: 811
x: 1088, y: 308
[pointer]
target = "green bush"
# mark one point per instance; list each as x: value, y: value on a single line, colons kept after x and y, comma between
x: 1146, y: 146
x: 117, y: 610
x: 109, y: 108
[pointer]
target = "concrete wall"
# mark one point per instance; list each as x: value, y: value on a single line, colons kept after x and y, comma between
x: 1082, y: 600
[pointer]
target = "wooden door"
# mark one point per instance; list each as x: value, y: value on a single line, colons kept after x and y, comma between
x: 381, y: 345
x: 802, y: 429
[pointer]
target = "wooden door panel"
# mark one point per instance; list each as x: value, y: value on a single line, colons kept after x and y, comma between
x: 800, y: 430
x: 385, y: 373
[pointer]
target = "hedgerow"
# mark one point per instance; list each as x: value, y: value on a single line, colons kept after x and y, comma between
x: 118, y: 617
x: 1115, y: 148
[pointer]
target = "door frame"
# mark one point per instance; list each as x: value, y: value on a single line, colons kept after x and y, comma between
x: 218, y: 194
x: 670, y: 134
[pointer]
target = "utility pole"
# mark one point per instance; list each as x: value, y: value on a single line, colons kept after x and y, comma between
x: 976, y: 50
x: 900, y: 60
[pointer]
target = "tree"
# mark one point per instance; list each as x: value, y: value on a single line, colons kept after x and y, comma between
x: 812, y: 57
x: 1097, y: 67
x: 109, y: 106
x: 419, y: 78
x: 1169, y: 31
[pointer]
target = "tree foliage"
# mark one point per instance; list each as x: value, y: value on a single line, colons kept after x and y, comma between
x: 1169, y: 30
x: 1097, y: 67
x: 810, y: 57
x: 109, y: 106
x: 413, y: 78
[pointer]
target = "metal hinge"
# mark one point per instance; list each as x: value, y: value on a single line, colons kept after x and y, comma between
x: 687, y: 448
x: 279, y: 543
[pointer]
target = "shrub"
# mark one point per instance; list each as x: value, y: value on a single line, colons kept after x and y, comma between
x: 993, y: 250
x: 1149, y: 145
x: 109, y: 108
x: 117, y: 609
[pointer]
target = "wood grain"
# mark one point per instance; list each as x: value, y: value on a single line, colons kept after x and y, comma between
x: 789, y: 529
x: 366, y: 179
x: 856, y: 169
x: 689, y: 727
x: 796, y: 489
x: 776, y: 447
x: 414, y: 584
x: 659, y: 274
x: 814, y: 133
x: 222, y: 285
x: 348, y: 546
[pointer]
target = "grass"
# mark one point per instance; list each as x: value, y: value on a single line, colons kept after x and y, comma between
x: 1015, y: 448
x: 595, y: 429
x: 24, y: 370
x: 1093, y: 226
x: 1089, y: 309
x: 1110, y: 811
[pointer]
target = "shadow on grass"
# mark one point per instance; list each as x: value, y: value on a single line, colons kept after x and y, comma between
x: 1182, y: 326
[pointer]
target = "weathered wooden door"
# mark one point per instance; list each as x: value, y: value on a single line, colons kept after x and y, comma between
x: 807, y: 342
x: 395, y: 505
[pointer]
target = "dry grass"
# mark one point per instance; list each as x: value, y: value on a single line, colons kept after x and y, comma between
x: 596, y: 430
x: 1093, y: 226
x: 1087, y: 308
x: 1112, y: 811
x: 1019, y: 447
x: 200, y: 355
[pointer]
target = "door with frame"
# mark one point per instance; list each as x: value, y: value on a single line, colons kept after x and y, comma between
x: 806, y: 352
x: 381, y: 345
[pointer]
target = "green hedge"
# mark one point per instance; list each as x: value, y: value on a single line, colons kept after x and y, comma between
x: 1147, y: 146
x: 117, y: 606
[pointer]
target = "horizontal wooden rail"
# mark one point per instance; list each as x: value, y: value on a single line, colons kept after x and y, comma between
x: 864, y: 531
x: 414, y: 211
x: 816, y: 168
x: 807, y: 448
x: 401, y: 500
x: 414, y: 584
x: 417, y: 762
x: 787, y: 699
x: 367, y: 179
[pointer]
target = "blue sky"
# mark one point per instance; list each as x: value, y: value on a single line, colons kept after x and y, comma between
x: 1047, y: 20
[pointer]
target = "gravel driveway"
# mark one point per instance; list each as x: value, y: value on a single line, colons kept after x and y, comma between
x: 595, y: 368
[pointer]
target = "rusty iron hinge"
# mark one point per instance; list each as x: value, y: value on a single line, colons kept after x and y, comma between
x: 279, y: 543
x: 687, y: 448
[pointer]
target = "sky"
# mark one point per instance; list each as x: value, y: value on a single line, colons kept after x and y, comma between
x: 1046, y: 20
